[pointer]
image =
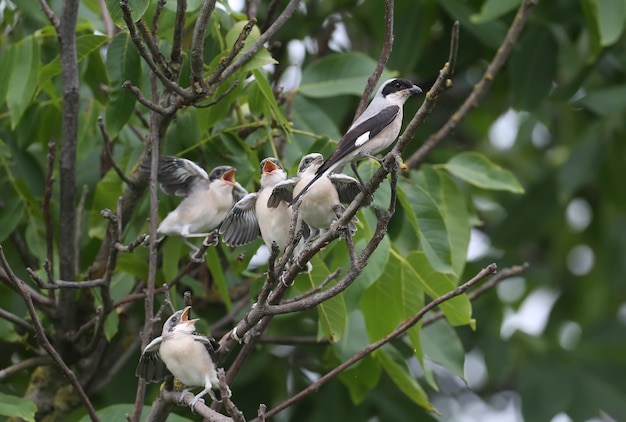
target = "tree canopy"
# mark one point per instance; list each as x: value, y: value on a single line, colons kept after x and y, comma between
x: 486, y: 278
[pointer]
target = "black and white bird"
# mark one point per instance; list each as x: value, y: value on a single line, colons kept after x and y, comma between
x: 184, y: 353
x: 251, y: 217
x: 207, y: 197
x: 376, y: 129
x: 323, y: 203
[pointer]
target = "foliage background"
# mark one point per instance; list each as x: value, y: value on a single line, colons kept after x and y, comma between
x: 559, y: 107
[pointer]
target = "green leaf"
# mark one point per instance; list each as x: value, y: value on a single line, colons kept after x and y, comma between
x: 433, y: 236
x: 17, y: 407
x: 332, y: 314
x: 354, y: 338
x: 442, y: 345
x: 12, y: 212
x: 6, y: 56
x: 453, y: 208
x: 494, y: 9
x: 7, y: 332
x: 611, y: 17
x: 111, y: 325
x: 361, y: 378
x: 215, y: 266
x: 267, y: 93
x: 22, y: 78
x: 123, y: 64
x: 397, y: 295
x: 85, y: 46
x: 375, y: 269
x: 261, y: 58
x: 478, y: 170
x: 532, y: 67
x: 401, y: 376
x: 137, y: 9
x: 338, y: 74
x: 458, y: 310
x: 591, y: 14
x: 108, y: 191
x: 606, y: 101
x: 489, y: 34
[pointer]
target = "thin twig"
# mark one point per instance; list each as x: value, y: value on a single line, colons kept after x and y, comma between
x: 231, y: 408
x: 80, y: 210
x: 17, y: 321
x: 244, y: 57
x: 47, y: 216
x: 382, y: 61
x: 196, y: 59
x: 480, y: 89
x: 126, y: 14
x: 43, y: 339
x: 220, y: 97
x: 402, y: 328
x: 24, y: 364
x: 109, y: 152
x: 127, y: 85
x: 236, y: 49
x: 54, y: 20
x: 179, y: 33
x: 200, y: 408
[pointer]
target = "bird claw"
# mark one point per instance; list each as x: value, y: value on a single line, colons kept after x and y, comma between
x: 193, y: 256
x: 212, y: 239
x: 194, y: 401
x: 182, y: 395
x: 236, y: 336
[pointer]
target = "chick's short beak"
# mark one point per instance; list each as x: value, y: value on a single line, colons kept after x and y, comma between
x: 229, y: 176
x: 269, y: 167
x: 184, y: 318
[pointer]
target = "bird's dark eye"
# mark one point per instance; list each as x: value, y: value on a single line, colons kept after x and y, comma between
x: 398, y: 85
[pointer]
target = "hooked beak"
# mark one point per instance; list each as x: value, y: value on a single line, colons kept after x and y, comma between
x: 415, y: 90
x: 184, y: 318
x: 229, y: 176
x: 269, y: 167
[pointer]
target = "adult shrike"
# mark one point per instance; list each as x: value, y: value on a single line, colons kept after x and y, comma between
x: 251, y: 216
x: 322, y: 204
x: 376, y: 129
x: 187, y: 355
x: 207, y: 197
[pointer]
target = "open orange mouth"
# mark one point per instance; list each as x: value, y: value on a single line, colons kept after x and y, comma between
x: 269, y: 166
x: 184, y: 318
x: 229, y: 176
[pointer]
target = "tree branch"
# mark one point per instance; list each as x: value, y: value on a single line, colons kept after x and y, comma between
x: 43, y: 339
x: 402, y: 328
x: 480, y: 89
x: 24, y: 364
x: 196, y: 59
x: 382, y: 61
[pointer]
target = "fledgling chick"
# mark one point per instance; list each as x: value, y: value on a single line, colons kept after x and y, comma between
x: 187, y: 355
x: 207, y: 197
x: 323, y: 203
x: 251, y: 217
x: 376, y: 129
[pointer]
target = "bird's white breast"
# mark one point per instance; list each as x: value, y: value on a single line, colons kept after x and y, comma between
x: 188, y: 360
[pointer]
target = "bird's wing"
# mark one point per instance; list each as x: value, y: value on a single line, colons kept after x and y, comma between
x: 178, y: 175
x: 150, y: 366
x: 240, y: 225
x: 210, y: 344
x: 359, y: 134
x: 283, y: 191
x: 238, y: 192
x: 347, y: 187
